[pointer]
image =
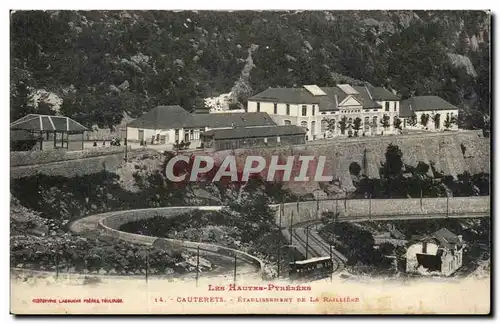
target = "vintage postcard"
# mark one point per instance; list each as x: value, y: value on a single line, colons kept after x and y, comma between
x: 250, y: 162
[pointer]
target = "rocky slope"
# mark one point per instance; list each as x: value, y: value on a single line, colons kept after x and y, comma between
x: 97, y: 65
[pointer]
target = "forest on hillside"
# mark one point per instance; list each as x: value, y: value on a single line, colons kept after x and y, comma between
x: 101, y: 65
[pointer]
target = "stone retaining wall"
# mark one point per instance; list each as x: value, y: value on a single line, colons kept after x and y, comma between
x: 374, y: 207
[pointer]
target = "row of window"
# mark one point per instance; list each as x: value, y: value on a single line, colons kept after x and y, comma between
x: 348, y: 111
x: 304, y: 109
x: 324, y: 123
x: 192, y: 134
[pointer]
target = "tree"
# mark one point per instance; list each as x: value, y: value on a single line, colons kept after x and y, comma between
x: 386, y: 122
x: 412, y: 121
x: 343, y: 125
x: 449, y: 121
x: 354, y: 168
x: 20, y: 101
x: 397, y: 123
x: 357, y: 126
x: 330, y: 125
x: 436, y: 118
x: 393, y: 165
x: 424, y: 120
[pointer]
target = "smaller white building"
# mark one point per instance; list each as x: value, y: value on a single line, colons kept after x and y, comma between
x: 440, y: 253
x: 430, y: 113
x: 165, y: 125
x: 173, y: 124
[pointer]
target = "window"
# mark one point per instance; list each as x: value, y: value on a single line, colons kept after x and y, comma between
x: 304, y: 110
x: 176, y: 135
x: 288, y: 109
x: 287, y: 122
x: 303, y: 124
x: 395, y: 106
x: 313, y: 128
x: 314, y: 108
x: 323, y: 125
x: 191, y: 134
x: 258, y: 106
x: 275, y: 108
x: 387, y: 106
x: 375, y: 120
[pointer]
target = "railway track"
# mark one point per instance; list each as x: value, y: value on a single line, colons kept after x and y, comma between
x: 312, y: 245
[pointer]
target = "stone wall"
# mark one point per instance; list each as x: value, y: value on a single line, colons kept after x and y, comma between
x: 73, y: 167
x: 382, y: 207
x: 441, y: 149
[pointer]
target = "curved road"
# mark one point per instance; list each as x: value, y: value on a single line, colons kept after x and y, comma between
x: 224, y: 265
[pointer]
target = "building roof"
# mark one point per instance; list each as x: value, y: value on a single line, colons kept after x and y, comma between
x: 165, y: 117
x: 424, y: 103
x: 171, y: 117
x: 237, y: 119
x: 249, y: 132
x: 446, y: 238
x: 47, y: 123
x: 327, y: 98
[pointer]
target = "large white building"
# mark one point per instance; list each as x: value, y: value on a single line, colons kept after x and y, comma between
x: 343, y: 110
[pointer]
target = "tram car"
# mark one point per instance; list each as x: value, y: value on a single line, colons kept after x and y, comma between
x: 311, y: 269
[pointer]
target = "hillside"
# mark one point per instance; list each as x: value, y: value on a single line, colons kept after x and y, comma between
x: 95, y: 66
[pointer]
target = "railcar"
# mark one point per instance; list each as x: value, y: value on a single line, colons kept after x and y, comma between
x: 311, y: 269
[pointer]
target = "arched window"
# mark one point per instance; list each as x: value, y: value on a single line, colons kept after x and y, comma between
x: 287, y: 122
x: 313, y: 128
x: 323, y: 125
x: 375, y: 122
x: 303, y: 124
